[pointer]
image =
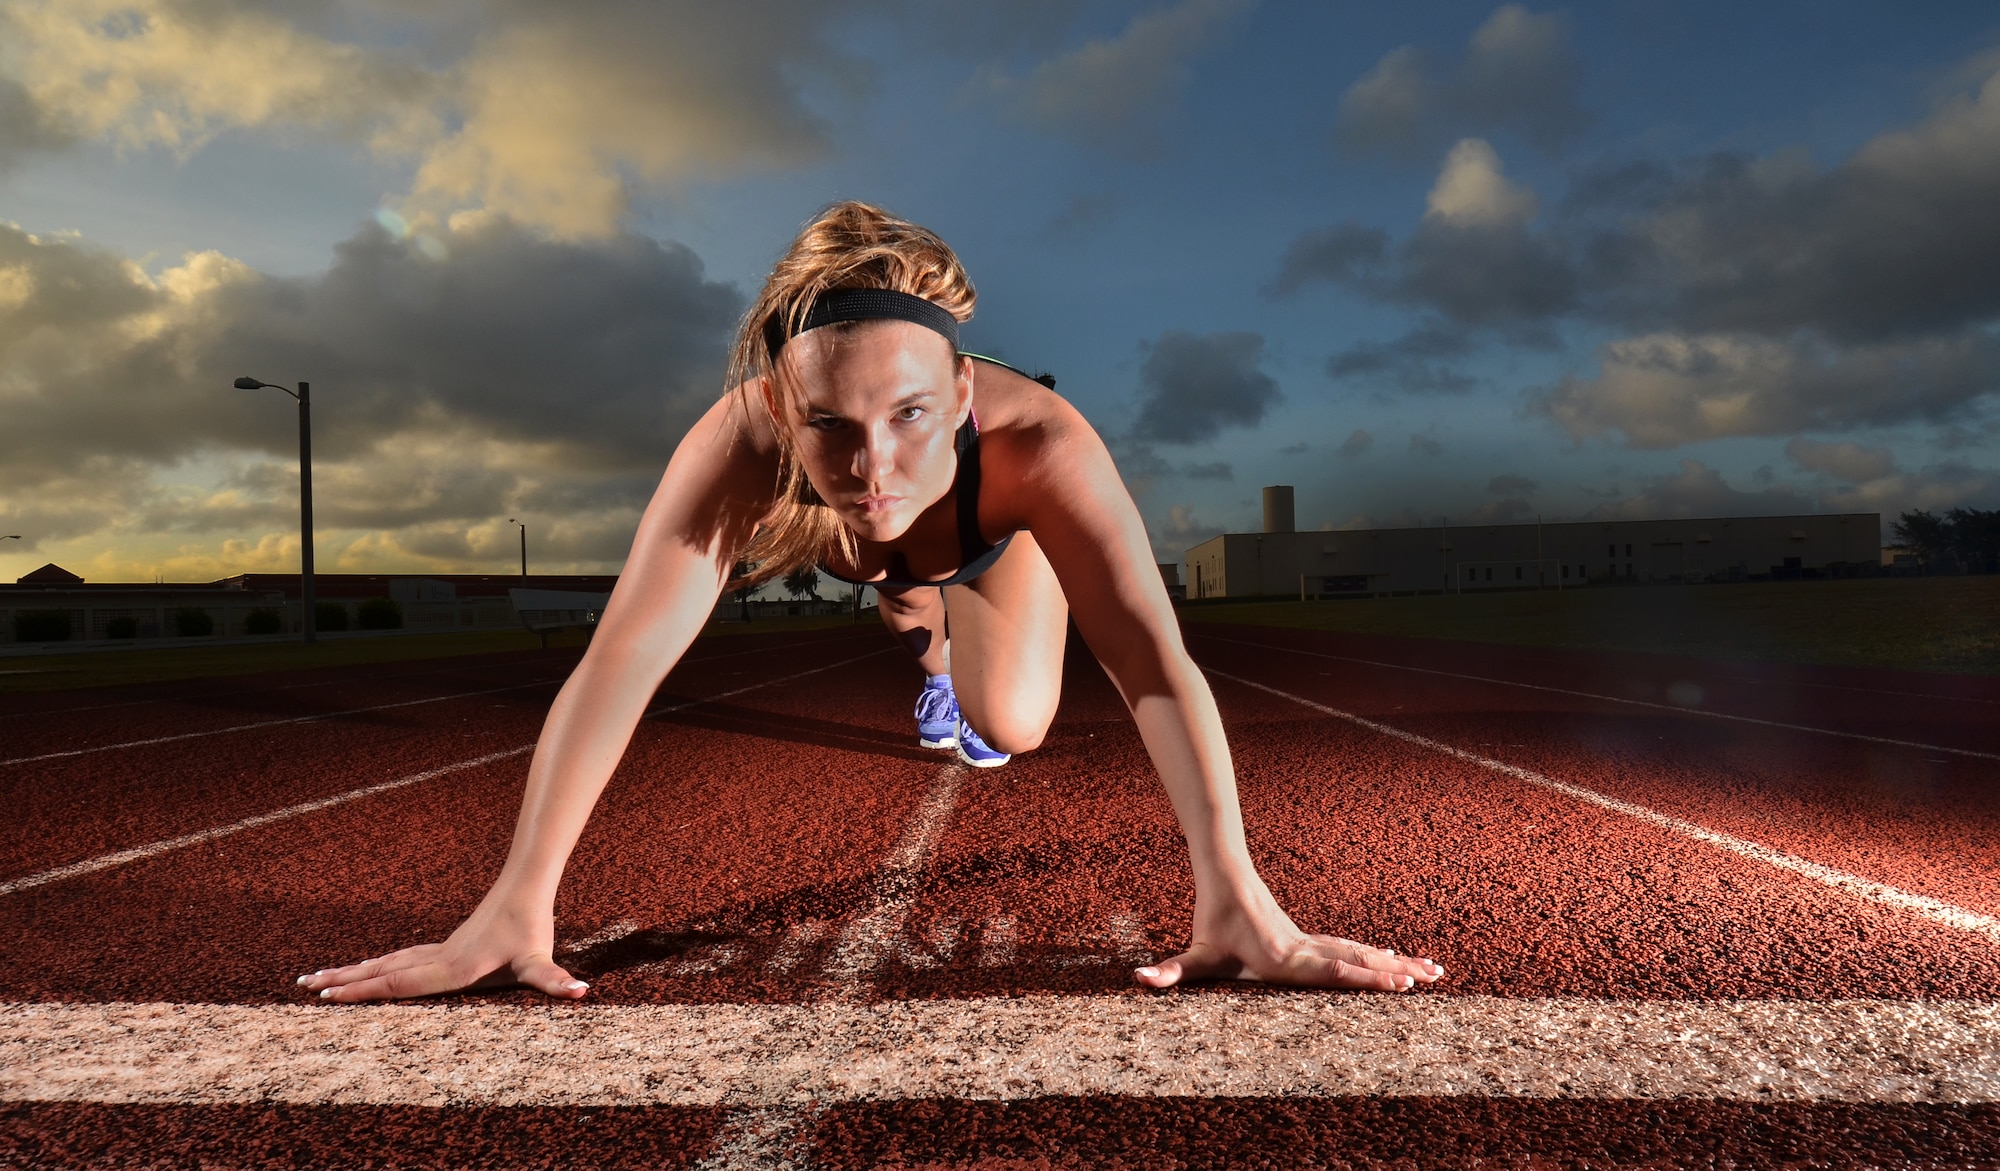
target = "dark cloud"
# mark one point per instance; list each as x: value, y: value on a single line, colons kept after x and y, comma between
x: 1512, y: 486
x: 1295, y: 449
x: 1698, y: 490
x: 1355, y: 444
x: 1194, y: 385
x: 1082, y: 217
x: 1112, y: 92
x: 1217, y: 470
x: 1181, y: 530
x: 1345, y: 253
x: 1853, y: 462
x: 1408, y: 362
x: 1520, y: 72
x: 1425, y: 445
x: 24, y: 128
x: 1663, y: 390
x: 514, y: 374
x: 1760, y: 296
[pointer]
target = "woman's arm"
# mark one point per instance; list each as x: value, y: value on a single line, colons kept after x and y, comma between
x: 1076, y: 505
x: 705, y: 509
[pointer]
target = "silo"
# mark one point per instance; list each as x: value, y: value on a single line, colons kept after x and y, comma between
x: 1278, y: 509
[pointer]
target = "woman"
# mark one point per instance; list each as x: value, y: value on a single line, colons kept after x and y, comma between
x: 851, y: 440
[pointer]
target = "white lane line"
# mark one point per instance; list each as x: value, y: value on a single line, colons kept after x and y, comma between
x: 360, y: 710
x: 153, y: 849
x: 1665, y: 707
x: 204, y: 696
x: 1190, y: 1044
x: 364, y: 681
x: 139, y: 853
x: 1935, y: 910
x: 380, y: 707
x: 873, y: 934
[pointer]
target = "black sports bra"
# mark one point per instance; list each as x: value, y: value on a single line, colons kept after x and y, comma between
x: 975, y: 556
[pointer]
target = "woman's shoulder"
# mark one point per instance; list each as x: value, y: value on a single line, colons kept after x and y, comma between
x: 1031, y: 437
x: 1010, y: 404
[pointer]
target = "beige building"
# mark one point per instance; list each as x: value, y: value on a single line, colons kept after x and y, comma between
x: 1526, y: 556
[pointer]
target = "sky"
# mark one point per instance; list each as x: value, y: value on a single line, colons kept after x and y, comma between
x: 1451, y: 261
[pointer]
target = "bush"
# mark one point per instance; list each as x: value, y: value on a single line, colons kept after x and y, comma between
x: 380, y: 614
x: 263, y: 621
x: 193, y: 622
x: 41, y: 626
x: 329, y: 616
x: 127, y: 627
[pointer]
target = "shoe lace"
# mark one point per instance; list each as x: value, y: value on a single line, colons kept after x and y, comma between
x: 937, y: 704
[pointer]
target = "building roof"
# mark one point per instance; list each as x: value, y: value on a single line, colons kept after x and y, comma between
x: 50, y: 574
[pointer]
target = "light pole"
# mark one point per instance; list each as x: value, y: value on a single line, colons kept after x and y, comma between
x: 304, y: 395
x: 524, y: 549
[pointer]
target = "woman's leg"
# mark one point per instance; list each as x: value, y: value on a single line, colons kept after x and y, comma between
x: 916, y: 618
x: 1008, y: 627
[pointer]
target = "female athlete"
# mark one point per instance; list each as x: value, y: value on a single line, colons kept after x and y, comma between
x: 857, y: 437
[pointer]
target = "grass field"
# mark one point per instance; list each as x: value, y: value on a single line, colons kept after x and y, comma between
x: 62, y: 672
x: 1927, y: 624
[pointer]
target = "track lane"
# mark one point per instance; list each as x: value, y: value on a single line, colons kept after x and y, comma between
x: 121, y: 800
x: 743, y: 822
x: 1951, y: 712
x: 1923, y: 823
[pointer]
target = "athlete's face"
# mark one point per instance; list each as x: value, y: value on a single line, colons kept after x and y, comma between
x: 877, y: 410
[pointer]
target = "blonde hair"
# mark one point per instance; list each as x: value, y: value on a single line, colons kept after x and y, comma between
x: 850, y: 245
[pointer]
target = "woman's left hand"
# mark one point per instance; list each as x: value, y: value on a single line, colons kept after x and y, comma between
x: 1247, y: 936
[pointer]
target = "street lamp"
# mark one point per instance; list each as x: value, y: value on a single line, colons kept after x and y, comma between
x: 304, y: 395
x: 524, y: 549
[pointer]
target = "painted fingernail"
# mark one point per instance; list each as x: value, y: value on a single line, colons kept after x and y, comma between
x: 303, y: 979
x: 1392, y: 951
x: 575, y: 985
x: 1149, y: 973
x: 1409, y: 982
x: 326, y: 993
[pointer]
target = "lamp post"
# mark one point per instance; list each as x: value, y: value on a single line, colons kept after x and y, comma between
x: 304, y: 395
x: 524, y: 549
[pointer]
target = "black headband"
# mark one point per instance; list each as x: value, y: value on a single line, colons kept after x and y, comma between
x: 837, y: 305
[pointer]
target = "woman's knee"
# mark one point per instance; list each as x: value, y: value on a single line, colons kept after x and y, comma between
x: 1010, y: 727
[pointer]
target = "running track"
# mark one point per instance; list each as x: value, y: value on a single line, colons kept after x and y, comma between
x: 1693, y: 913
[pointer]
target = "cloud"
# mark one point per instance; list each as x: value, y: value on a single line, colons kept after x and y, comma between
x: 1472, y: 192
x: 1519, y: 72
x: 1865, y: 478
x: 1474, y: 258
x: 518, y: 374
x: 1345, y: 253
x: 1194, y: 385
x: 1217, y: 470
x: 1698, y: 490
x: 1512, y: 486
x: 1295, y: 449
x: 1854, y: 462
x: 1425, y: 445
x: 1356, y: 443
x: 1407, y: 362
x: 1181, y: 530
x: 1663, y: 390
x: 500, y: 105
x: 1109, y: 92
x: 1081, y: 218
x: 1754, y: 296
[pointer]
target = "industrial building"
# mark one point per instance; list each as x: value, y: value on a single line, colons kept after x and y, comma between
x: 1445, y: 558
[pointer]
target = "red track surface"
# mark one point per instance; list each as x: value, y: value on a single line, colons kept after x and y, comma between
x: 744, y: 839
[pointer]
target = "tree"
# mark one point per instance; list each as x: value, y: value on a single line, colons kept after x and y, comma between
x: 741, y: 587
x: 803, y: 582
x: 1968, y: 537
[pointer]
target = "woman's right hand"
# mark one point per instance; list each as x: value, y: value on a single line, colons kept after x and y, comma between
x: 496, y: 947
